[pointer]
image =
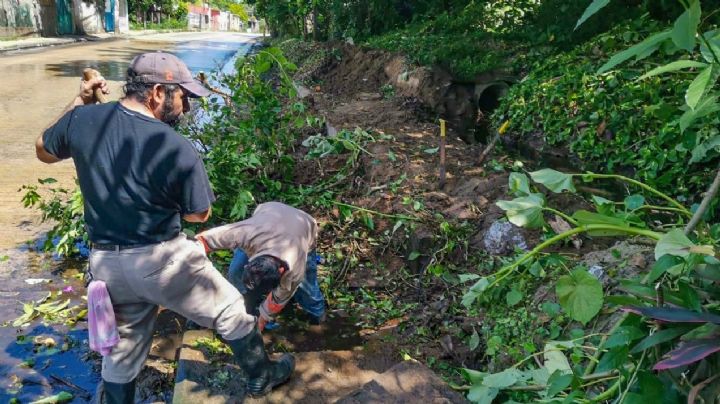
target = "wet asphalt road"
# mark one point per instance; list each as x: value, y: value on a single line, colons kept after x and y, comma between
x: 34, y: 87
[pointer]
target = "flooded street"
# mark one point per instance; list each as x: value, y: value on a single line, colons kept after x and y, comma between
x: 34, y: 87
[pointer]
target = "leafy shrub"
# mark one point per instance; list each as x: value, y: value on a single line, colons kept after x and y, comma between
x: 613, y: 121
x: 602, y: 365
x: 248, y: 144
x: 64, y: 208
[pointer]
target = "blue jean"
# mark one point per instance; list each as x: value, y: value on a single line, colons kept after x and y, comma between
x: 308, y: 294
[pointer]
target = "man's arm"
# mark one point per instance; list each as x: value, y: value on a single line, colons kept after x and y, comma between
x: 84, y: 97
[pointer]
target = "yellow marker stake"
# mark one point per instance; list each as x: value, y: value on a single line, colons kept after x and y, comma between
x: 442, y: 153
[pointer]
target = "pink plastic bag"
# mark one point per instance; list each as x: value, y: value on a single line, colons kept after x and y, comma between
x: 101, y: 319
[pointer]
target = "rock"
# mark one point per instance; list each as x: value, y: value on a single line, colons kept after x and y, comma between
x: 624, y: 259
x: 503, y: 238
x: 302, y: 91
x: 597, y: 271
x: 406, y: 382
x: 421, y: 241
x: 638, y: 260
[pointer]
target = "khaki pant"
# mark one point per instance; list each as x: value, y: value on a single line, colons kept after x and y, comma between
x: 174, y: 274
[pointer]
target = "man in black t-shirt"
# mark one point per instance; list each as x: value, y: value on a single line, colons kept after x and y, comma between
x: 139, y: 178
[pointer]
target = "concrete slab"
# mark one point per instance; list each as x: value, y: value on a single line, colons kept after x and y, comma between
x: 320, y: 377
x: 406, y: 382
x: 198, y: 381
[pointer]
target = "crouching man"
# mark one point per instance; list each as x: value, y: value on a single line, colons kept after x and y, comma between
x: 279, y: 240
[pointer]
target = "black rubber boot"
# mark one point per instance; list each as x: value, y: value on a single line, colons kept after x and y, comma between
x: 118, y: 393
x: 262, y: 373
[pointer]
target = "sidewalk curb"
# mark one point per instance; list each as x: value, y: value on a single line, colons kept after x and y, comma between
x: 52, y: 42
x: 47, y: 42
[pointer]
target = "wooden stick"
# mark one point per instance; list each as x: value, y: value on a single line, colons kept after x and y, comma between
x: 203, y: 79
x: 81, y: 391
x: 709, y: 196
x: 89, y: 74
x: 442, y: 154
x: 488, y: 148
x: 494, y: 140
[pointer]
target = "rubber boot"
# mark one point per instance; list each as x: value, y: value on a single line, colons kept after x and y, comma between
x: 118, y: 393
x: 262, y: 373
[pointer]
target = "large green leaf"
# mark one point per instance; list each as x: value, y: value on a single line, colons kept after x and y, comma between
x: 666, y: 263
x: 506, y: 378
x: 700, y: 151
x: 633, y: 202
x: 685, y: 27
x: 698, y: 87
x: 555, y: 359
x: 672, y: 67
x: 476, y: 290
x: 593, y: 8
x: 558, y: 382
x: 61, y: 397
x: 623, y: 336
x: 525, y: 211
x: 613, y: 359
x: 639, y: 51
x: 661, y: 336
x: 708, y: 105
x: 482, y: 394
x: 519, y: 184
x: 580, y: 294
x: 710, y: 52
x: 675, y: 242
x: 553, y: 180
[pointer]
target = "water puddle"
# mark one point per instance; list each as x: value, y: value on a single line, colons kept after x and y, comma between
x: 40, y: 358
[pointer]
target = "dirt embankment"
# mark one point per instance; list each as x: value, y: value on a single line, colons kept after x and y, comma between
x: 400, y: 104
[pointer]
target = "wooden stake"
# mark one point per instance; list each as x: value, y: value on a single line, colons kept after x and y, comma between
x: 442, y: 154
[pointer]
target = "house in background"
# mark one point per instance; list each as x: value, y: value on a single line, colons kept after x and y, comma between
x: 62, y: 17
x: 198, y: 17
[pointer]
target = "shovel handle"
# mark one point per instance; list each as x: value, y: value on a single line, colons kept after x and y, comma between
x: 89, y: 74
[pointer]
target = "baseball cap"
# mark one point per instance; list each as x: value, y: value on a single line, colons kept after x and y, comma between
x: 165, y: 68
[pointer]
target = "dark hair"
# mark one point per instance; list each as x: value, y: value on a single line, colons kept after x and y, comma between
x: 262, y: 273
x: 135, y: 87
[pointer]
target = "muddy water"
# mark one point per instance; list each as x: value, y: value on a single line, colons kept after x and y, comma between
x: 34, y: 88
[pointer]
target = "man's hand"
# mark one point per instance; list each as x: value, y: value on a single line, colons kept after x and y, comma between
x: 268, y: 310
x: 88, y: 87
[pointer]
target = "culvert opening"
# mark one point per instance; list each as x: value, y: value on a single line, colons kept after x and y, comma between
x: 488, y: 99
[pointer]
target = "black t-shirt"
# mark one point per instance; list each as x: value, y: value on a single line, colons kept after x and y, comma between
x: 137, y: 175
